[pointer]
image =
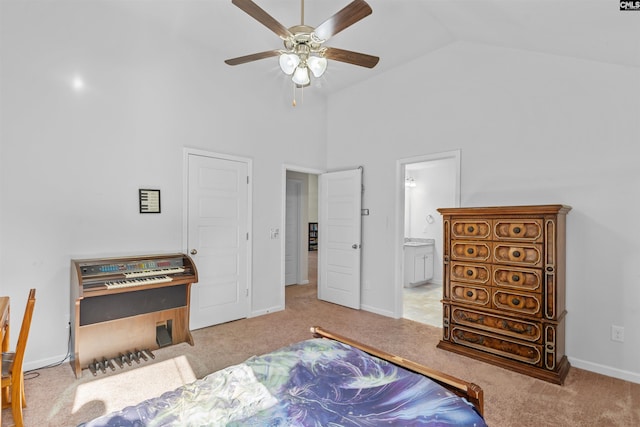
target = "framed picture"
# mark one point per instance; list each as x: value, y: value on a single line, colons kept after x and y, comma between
x: 149, y: 201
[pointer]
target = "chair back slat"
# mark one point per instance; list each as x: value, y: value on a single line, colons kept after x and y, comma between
x: 24, y: 332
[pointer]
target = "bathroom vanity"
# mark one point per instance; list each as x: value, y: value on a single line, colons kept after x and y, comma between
x: 418, y: 262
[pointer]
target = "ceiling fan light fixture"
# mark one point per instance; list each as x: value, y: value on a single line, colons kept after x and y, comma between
x: 289, y: 62
x: 317, y: 65
x: 304, y: 53
x: 301, y: 76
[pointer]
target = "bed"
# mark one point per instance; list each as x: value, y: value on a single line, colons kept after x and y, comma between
x: 327, y: 380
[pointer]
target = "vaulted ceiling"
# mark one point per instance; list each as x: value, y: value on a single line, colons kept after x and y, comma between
x: 400, y: 30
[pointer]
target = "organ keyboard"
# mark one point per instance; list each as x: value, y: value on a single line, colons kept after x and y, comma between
x: 145, y: 273
x: 128, y: 302
x: 127, y: 283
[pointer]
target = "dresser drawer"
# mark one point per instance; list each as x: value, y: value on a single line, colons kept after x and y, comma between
x: 470, y: 229
x: 516, y: 256
x: 526, y: 279
x: 503, y: 325
x: 471, y: 273
x: 529, y: 304
x: 518, y: 229
x: 470, y: 251
x: 469, y: 294
x: 529, y: 353
x: 529, y: 255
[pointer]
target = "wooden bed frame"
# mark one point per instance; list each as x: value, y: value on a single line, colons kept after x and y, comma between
x: 472, y: 392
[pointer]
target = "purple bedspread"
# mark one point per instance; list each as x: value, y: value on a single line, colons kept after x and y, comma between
x: 317, y: 382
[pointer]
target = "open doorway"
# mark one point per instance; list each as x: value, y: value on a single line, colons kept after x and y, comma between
x: 430, y: 182
x: 301, y: 229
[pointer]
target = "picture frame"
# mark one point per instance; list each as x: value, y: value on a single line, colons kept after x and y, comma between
x: 149, y: 200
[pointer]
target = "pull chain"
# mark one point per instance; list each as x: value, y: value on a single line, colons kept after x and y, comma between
x: 294, y: 103
x: 294, y: 95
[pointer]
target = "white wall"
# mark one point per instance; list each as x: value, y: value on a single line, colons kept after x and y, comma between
x: 73, y: 161
x: 313, y: 198
x: 532, y: 129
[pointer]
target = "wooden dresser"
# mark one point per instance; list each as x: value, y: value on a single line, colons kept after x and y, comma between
x: 504, y: 287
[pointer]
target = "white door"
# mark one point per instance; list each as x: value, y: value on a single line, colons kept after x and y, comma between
x: 292, y: 232
x: 339, y: 231
x: 217, y: 239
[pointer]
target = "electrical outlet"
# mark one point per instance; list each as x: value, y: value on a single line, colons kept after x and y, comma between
x: 617, y: 333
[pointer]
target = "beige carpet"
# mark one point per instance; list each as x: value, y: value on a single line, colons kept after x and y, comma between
x: 56, y: 398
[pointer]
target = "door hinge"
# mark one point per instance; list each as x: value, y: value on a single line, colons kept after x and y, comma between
x: 247, y: 179
x: 247, y: 235
x: 247, y: 292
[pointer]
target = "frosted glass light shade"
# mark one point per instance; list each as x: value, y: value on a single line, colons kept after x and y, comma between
x: 289, y: 62
x: 317, y: 65
x: 301, y: 76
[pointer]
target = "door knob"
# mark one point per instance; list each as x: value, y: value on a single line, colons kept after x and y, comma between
x: 354, y: 246
x: 194, y: 251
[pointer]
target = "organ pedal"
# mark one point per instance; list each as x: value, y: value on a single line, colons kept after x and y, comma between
x: 107, y: 363
x: 140, y: 354
x: 118, y: 361
x: 122, y: 358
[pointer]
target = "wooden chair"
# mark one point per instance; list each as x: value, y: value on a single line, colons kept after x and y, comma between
x: 12, y: 375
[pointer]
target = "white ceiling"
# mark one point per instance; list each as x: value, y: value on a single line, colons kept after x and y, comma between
x: 400, y: 30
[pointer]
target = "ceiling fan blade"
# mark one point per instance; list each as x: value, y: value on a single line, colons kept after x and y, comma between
x: 350, y: 57
x: 253, y: 57
x: 349, y: 15
x: 263, y: 17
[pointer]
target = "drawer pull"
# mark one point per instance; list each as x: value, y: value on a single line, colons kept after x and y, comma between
x: 469, y: 272
x: 470, y: 229
x: 516, y: 230
x: 515, y: 278
x: 469, y: 294
x: 470, y: 251
x: 516, y: 254
x: 515, y: 301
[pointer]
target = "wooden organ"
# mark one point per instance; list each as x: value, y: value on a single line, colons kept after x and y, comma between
x: 120, y: 306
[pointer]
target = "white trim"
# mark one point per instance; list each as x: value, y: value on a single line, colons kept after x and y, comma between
x: 376, y: 310
x: 264, y: 311
x: 609, y: 371
x: 399, y: 233
x: 44, y: 363
x: 186, y: 152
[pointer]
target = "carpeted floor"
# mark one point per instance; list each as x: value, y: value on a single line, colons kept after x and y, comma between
x: 56, y: 398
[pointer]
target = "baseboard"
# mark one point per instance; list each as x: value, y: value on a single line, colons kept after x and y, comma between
x: 376, y: 310
x: 273, y: 309
x: 45, y: 363
x: 633, y: 377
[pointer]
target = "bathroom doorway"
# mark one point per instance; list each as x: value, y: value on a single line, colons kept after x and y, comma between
x: 429, y: 182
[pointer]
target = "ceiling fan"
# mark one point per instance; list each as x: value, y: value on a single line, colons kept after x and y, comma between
x: 304, y: 51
